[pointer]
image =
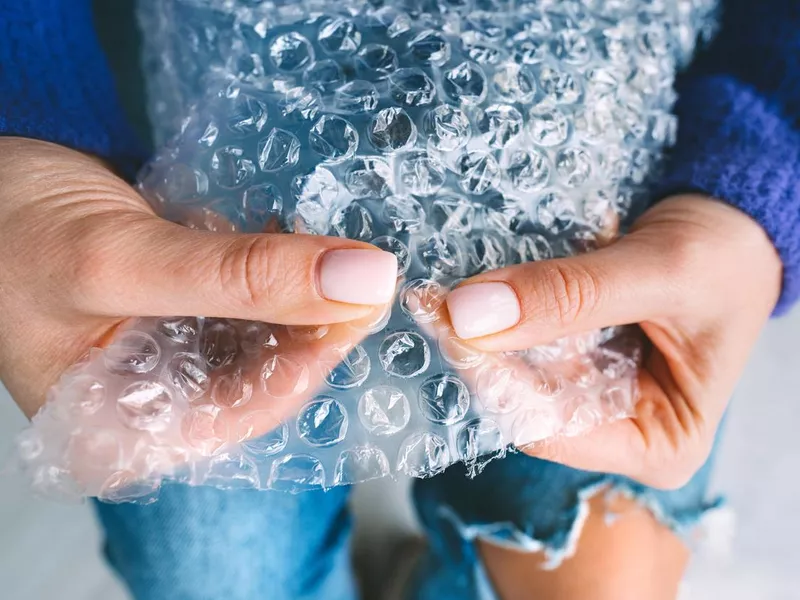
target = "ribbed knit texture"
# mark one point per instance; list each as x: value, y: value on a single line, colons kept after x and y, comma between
x: 56, y: 85
x: 738, y: 134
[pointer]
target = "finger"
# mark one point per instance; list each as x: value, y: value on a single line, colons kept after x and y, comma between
x: 660, y: 445
x: 533, y: 303
x: 151, y: 267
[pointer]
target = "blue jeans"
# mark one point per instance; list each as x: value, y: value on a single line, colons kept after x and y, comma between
x: 207, y: 544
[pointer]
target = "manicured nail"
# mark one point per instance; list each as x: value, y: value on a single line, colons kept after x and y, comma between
x: 358, y: 276
x: 480, y: 309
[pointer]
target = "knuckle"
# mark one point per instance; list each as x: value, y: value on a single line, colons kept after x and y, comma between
x: 93, y: 266
x: 254, y: 274
x: 683, y: 258
x: 572, y: 292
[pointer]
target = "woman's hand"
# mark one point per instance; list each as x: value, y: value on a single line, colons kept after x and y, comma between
x: 699, y: 277
x: 81, y: 252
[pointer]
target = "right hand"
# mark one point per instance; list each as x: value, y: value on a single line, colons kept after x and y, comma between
x: 82, y: 252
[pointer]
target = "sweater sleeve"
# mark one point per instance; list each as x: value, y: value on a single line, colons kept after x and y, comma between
x: 56, y: 84
x: 739, y: 117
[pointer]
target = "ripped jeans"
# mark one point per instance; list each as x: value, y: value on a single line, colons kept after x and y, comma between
x: 207, y: 544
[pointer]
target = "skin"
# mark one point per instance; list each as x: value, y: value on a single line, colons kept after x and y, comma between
x: 632, y: 559
x: 701, y: 279
x: 82, y: 253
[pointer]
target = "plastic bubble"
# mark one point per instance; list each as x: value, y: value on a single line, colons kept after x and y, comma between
x: 460, y: 136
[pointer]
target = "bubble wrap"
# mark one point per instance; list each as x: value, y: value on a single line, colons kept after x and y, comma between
x: 460, y: 136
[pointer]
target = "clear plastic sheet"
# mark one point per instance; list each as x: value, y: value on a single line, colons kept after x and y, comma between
x: 460, y: 136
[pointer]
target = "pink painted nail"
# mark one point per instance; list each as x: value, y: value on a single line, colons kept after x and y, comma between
x: 480, y: 309
x: 358, y: 276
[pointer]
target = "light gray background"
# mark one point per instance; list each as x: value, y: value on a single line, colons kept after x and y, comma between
x: 49, y: 551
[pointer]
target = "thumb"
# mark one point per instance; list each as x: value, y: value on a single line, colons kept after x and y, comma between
x: 151, y: 267
x: 518, y: 307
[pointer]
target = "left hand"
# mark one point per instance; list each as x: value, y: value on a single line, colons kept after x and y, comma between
x: 700, y: 278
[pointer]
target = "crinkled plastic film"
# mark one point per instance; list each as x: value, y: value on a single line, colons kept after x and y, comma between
x: 460, y: 136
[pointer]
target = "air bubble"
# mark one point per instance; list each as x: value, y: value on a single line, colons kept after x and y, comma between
x: 465, y: 83
x: 203, y: 430
x: 256, y: 337
x: 260, y: 444
x: 430, y: 48
x: 442, y: 254
x: 229, y: 168
x: 353, y: 222
x: 291, y: 52
x: 499, y: 124
x: 333, y: 138
x: 478, y: 442
x: 421, y: 174
x: 447, y: 128
x: 132, y: 352
x: 421, y: 300
x: 295, y: 473
x: 560, y: 87
x: 574, y: 166
x: 324, y: 75
x: 514, y: 83
x: 279, y: 150
x: 376, y: 61
x: 548, y: 127
x: 301, y: 104
x: 384, y: 410
x: 487, y: 252
x: 412, y: 87
x: 392, y: 130
x: 556, y: 212
x: 85, y: 395
x: 423, y: 455
x: 322, y: 422
x: 146, y: 406
x: 351, y: 371
x: 404, y: 354
x: 528, y: 171
x: 284, y: 376
x: 188, y: 373
x: 232, y: 390
x: 479, y: 172
x: 356, y: 97
x: 262, y: 204
x: 459, y: 354
x: 230, y: 471
x: 339, y: 36
x: 452, y: 213
x: 368, y: 177
x: 361, y: 463
x: 247, y: 115
x: 571, y: 46
x: 403, y: 214
x: 444, y: 399
x: 219, y: 343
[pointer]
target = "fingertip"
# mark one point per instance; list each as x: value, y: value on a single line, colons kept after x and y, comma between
x: 357, y: 276
x: 481, y: 309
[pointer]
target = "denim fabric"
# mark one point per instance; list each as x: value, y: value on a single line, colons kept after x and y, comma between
x: 208, y: 544
x: 528, y: 504
x: 200, y: 543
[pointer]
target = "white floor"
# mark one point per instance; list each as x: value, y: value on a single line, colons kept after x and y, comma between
x: 50, y: 551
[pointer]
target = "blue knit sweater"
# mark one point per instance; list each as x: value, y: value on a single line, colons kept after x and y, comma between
x: 739, y: 107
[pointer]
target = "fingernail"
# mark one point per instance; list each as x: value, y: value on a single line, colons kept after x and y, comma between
x: 480, y: 309
x: 358, y: 276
